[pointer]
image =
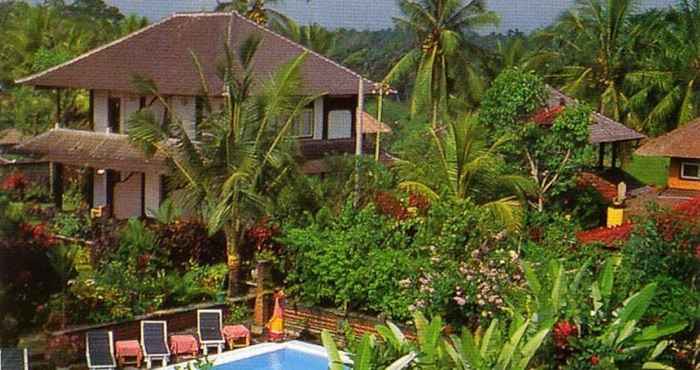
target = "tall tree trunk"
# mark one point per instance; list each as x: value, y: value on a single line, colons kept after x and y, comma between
x: 233, y: 260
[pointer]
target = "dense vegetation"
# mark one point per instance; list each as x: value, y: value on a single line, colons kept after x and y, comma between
x: 477, y: 226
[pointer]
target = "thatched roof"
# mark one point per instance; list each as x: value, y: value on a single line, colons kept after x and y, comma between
x: 10, y: 137
x: 93, y: 149
x: 603, y: 129
x: 683, y: 142
x: 370, y: 125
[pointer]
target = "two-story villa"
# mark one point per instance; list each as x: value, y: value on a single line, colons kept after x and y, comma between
x: 123, y: 180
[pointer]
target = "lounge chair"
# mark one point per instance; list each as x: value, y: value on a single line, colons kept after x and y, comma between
x: 14, y: 359
x: 99, y: 350
x: 209, y: 324
x: 154, y: 336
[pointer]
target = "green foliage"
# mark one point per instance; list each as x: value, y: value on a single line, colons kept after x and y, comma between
x: 72, y: 224
x: 364, y: 260
x: 237, y: 313
x: 466, y: 167
x: 34, y: 38
x: 512, y: 96
x: 550, y: 156
x: 139, y: 277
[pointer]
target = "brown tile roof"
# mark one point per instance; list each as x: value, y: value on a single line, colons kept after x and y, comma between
x: 683, y: 142
x: 604, y: 129
x: 161, y: 52
x: 93, y: 149
x: 370, y: 125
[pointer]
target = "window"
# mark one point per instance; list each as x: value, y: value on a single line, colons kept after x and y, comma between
x: 303, y: 125
x: 114, y: 106
x: 690, y: 170
x: 339, y: 124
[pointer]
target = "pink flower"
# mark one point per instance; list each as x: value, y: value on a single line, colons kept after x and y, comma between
x: 460, y: 301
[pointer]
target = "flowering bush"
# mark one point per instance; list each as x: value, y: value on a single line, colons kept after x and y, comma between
x: 262, y: 237
x: 14, y: 182
x: 561, y: 333
x: 370, y: 260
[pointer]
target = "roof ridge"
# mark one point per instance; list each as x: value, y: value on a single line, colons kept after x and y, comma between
x: 96, y: 50
x: 296, y: 44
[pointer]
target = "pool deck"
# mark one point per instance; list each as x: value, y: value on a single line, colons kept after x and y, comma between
x: 259, y: 349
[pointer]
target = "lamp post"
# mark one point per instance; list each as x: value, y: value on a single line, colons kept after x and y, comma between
x: 381, y: 89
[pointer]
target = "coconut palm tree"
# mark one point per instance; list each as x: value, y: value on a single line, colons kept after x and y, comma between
x: 593, y: 41
x: 666, y: 86
x: 438, y: 28
x: 255, y: 10
x: 313, y: 36
x: 466, y: 168
x: 243, y: 150
x: 519, y: 52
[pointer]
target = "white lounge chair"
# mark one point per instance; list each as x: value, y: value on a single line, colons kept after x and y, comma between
x: 14, y: 359
x: 209, y: 325
x: 154, y: 337
x: 99, y: 350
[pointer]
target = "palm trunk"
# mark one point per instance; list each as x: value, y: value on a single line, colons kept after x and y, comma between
x: 435, y: 114
x: 233, y: 260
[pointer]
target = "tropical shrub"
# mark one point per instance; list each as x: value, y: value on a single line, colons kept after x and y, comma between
x: 137, y: 276
x: 72, y: 224
x: 439, y: 261
x: 186, y: 241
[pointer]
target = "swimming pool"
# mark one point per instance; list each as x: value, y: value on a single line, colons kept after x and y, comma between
x: 284, y: 359
x: 293, y: 355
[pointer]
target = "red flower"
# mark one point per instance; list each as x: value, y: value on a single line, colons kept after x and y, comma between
x: 595, y: 360
x: 697, y: 251
x: 14, y: 181
x: 262, y: 233
x: 562, y: 331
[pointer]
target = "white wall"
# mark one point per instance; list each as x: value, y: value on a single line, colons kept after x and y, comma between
x: 184, y: 109
x: 130, y: 104
x: 127, y: 196
x: 152, y: 193
x: 99, y: 109
x: 318, y: 119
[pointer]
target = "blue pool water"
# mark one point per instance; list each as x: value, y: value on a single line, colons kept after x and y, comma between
x: 283, y: 359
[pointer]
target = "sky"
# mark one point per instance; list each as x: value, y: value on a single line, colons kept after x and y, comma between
x: 525, y: 15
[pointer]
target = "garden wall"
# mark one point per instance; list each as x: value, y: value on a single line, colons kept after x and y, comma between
x: 179, y: 320
x: 298, y: 320
x: 314, y: 320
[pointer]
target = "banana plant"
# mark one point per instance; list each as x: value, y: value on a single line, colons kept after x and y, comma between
x: 622, y: 341
x: 495, y: 349
x: 363, y: 359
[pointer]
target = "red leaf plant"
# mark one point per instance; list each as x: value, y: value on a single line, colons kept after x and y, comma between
x: 611, y: 237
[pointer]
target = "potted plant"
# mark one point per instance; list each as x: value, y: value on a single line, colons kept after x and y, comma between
x: 62, y: 351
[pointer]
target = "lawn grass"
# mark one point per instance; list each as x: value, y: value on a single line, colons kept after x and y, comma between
x: 649, y: 170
